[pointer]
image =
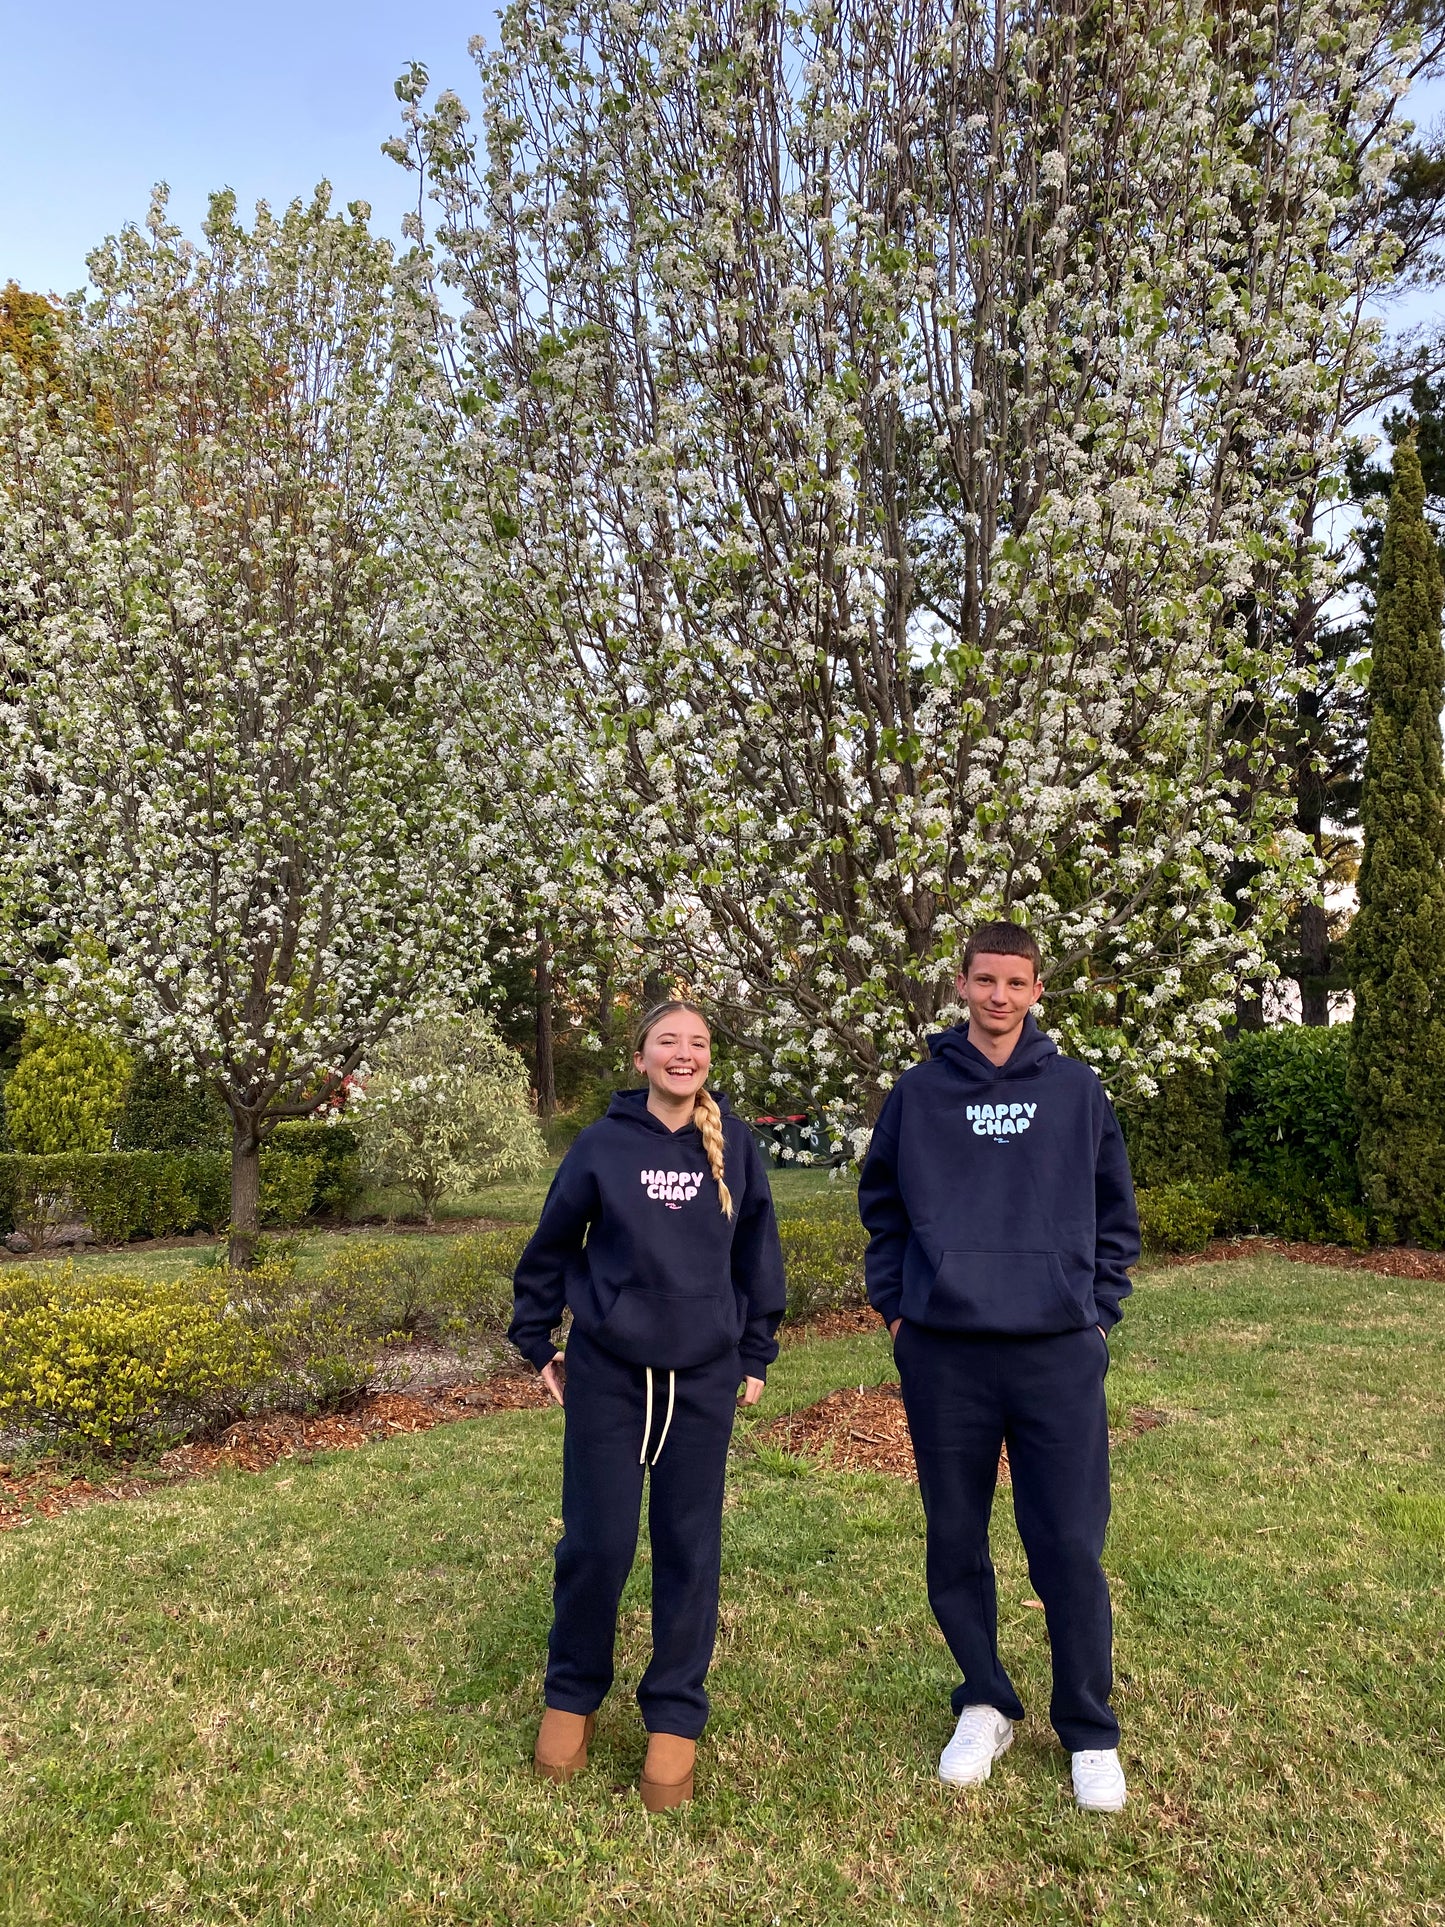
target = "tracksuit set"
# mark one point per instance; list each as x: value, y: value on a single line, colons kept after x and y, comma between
x: 1002, y: 1224
x: 672, y: 1304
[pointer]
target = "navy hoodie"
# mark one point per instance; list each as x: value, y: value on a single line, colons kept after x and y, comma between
x: 633, y: 1240
x: 998, y: 1197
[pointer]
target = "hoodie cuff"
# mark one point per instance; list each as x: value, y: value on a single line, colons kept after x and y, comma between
x: 888, y: 1305
x: 753, y: 1367
x: 541, y: 1353
x: 1106, y: 1315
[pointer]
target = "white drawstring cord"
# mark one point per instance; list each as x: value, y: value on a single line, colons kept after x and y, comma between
x: 647, y: 1422
x: 671, y: 1390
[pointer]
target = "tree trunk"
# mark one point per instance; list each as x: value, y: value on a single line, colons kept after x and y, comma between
x: 1314, y: 946
x: 245, y: 1190
x: 546, y: 1068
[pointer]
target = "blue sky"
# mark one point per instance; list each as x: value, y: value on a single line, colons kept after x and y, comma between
x: 99, y: 102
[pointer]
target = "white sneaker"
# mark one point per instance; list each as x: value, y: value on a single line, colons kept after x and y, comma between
x: 1099, y: 1780
x: 982, y: 1736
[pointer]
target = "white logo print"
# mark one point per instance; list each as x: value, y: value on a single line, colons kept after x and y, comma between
x: 999, y: 1121
x: 673, y: 1188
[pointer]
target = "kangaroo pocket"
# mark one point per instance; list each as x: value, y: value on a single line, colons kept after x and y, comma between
x: 1014, y: 1292
x: 669, y: 1329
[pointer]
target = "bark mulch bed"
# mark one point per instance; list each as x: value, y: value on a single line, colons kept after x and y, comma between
x: 254, y: 1444
x: 867, y: 1431
x: 1393, y: 1261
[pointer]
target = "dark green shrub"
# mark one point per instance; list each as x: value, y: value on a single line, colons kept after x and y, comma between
x: 1178, y: 1134
x: 337, y: 1148
x: 162, y: 1112
x: 1184, y: 1217
x: 1397, y: 940
x: 1289, y: 1120
x: 147, y: 1194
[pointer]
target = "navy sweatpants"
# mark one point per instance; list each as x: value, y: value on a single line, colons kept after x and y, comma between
x: 601, y: 1506
x: 966, y: 1395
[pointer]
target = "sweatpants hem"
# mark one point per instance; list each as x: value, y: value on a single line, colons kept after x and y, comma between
x: 570, y: 1703
x: 689, y: 1728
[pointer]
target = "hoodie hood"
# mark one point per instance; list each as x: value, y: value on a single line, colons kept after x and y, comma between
x: 1027, y: 1058
x: 631, y: 1108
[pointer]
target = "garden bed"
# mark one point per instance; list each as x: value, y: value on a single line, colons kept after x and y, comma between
x: 255, y: 1444
x: 867, y: 1431
x: 1391, y: 1261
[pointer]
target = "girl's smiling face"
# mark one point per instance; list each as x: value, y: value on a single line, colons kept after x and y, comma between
x: 676, y: 1054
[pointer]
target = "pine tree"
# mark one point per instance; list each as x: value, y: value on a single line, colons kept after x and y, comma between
x: 1397, y: 943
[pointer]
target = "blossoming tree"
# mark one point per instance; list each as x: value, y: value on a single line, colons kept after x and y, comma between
x: 889, y: 428
x: 229, y: 787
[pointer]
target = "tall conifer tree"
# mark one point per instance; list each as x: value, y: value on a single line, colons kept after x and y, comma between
x: 1397, y: 944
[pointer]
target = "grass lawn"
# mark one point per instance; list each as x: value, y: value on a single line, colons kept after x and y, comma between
x: 309, y: 1696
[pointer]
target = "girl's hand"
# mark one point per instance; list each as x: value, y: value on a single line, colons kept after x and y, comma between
x: 752, y: 1391
x: 552, y: 1379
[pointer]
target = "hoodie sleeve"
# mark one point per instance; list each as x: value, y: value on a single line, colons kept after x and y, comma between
x: 757, y: 1266
x: 885, y: 1218
x: 1116, y: 1222
x: 539, y: 1284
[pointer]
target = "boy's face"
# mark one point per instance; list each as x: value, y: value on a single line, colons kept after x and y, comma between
x: 1000, y: 992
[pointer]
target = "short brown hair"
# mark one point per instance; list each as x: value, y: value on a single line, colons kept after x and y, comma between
x: 1002, y: 940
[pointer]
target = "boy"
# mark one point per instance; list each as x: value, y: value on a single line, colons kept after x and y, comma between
x: 1001, y: 1212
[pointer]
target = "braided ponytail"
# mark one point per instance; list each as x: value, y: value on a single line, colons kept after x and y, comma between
x: 705, y: 1113
x: 708, y: 1119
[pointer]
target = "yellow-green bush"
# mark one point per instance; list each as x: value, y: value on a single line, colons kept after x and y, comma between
x: 66, y: 1092
x: 823, y: 1257
x: 112, y: 1361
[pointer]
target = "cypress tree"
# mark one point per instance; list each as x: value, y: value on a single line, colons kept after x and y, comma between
x: 1397, y: 943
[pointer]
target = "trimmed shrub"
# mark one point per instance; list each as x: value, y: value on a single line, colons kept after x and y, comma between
x: 338, y: 1148
x: 162, y: 1112
x: 65, y: 1094
x: 119, y: 1194
x: 1289, y: 1121
x: 116, y: 1362
x: 1184, y: 1217
x: 1173, y: 1217
x: 1178, y: 1134
x: 288, y: 1185
x: 147, y: 1194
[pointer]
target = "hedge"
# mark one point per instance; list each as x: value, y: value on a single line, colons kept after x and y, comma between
x: 164, y: 1194
x: 1179, y: 1133
x: 1288, y: 1116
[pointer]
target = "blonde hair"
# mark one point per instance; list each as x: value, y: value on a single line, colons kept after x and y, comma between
x: 705, y: 1113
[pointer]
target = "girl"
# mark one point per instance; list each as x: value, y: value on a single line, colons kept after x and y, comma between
x: 658, y: 1234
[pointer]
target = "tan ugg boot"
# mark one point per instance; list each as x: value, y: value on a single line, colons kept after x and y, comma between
x: 667, y: 1772
x: 561, y: 1748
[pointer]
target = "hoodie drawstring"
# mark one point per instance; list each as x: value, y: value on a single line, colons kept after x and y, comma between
x: 647, y: 1421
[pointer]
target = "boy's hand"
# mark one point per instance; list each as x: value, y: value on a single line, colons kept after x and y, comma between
x: 752, y: 1391
x: 552, y: 1378
x: 893, y: 1328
